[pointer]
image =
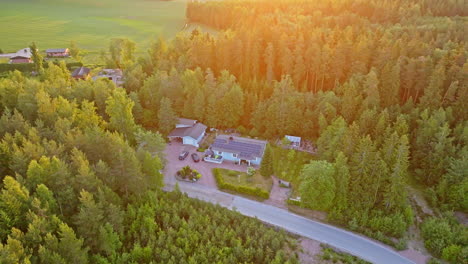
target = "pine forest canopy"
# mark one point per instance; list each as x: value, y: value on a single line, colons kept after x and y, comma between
x: 380, y: 87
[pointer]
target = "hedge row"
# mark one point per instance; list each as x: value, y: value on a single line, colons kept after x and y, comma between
x: 29, y: 67
x: 239, y: 188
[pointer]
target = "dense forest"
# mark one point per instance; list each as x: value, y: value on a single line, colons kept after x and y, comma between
x: 379, y: 86
x: 79, y: 185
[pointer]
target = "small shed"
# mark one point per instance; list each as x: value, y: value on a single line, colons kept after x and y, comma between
x: 295, y: 141
x: 284, y: 184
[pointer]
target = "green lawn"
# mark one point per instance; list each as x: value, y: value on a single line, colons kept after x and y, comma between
x: 91, y: 23
x: 242, y: 179
x: 287, y: 164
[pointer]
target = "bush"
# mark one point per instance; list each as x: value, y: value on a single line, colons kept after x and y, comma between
x: 29, y: 67
x: 239, y: 188
x: 293, y: 202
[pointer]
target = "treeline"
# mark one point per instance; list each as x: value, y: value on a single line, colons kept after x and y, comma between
x: 80, y: 183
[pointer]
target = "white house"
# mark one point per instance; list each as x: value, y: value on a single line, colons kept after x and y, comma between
x: 237, y: 149
x: 189, y: 131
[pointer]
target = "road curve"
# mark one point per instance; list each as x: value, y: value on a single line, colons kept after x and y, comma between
x: 333, y: 236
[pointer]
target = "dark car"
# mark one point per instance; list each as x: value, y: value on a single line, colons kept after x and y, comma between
x: 183, y: 155
x: 195, y: 157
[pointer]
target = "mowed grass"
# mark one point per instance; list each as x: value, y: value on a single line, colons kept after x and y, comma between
x: 241, y: 178
x: 90, y: 23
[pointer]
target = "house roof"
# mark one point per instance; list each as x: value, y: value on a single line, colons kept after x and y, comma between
x: 293, y: 139
x: 81, y: 71
x: 194, y: 131
x: 25, y: 53
x: 246, y: 148
x: 56, y: 50
x: 186, y: 122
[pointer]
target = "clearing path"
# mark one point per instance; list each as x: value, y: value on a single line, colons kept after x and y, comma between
x: 336, y: 237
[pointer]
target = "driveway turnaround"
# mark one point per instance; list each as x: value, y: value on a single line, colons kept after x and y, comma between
x: 333, y: 236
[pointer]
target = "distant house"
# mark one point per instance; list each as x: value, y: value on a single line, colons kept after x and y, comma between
x: 238, y: 149
x: 81, y: 73
x: 21, y: 56
x: 191, y: 133
x: 114, y: 75
x: 58, y: 53
x: 20, y: 59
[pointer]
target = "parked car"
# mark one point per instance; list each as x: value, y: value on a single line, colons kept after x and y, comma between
x: 195, y: 157
x: 183, y: 155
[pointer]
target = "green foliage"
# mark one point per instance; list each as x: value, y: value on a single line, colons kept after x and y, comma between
x: 445, y: 238
x: 318, y: 185
x: 83, y: 192
x: 222, y: 184
x: 266, y: 167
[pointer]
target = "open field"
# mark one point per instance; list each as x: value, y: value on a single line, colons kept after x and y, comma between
x: 91, y: 24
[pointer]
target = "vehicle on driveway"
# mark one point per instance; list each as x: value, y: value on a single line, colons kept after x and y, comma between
x: 195, y: 157
x: 183, y: 155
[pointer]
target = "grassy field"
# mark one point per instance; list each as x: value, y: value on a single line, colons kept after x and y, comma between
x: 90, y: 23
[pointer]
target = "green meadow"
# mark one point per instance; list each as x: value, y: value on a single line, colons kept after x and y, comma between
x: 90, y: 23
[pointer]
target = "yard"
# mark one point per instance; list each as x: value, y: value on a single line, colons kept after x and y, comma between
x: 255, y: 184
x: 287, y: 164
x: 91, y: 24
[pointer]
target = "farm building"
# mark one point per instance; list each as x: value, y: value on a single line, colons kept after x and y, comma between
x: 20, y: 59
x: 81, y: 73
x: 238, y: 149
x: 191, y: 133
x: 114, y: 75
x: 21, y: 56
x: 58, y: 53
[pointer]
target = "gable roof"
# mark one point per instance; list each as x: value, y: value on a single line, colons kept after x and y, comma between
x: 194, y: 132
x: 246, y: 148
x: 186, y: 122
x: 56, y: 50
x: 25, y: 53
x: 81, y: 71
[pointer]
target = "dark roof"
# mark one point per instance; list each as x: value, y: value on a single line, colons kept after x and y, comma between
x: 186, y: 122
x: 82, y: 71
x: 246, y: 148
x: 194, y: 132
x: 56, y: 50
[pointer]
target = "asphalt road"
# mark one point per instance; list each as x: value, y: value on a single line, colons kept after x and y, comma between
x: 336, y: 237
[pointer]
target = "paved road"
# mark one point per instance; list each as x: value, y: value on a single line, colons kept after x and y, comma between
x: 341, y: 239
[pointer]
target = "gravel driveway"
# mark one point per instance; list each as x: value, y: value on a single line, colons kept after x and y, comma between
x: 173, y: 164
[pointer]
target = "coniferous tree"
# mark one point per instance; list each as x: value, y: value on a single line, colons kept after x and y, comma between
x: 266, y: 167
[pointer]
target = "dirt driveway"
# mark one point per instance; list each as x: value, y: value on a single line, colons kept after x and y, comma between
x: 173, y: 164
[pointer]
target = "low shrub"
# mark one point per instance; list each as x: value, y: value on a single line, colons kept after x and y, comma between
x: 29, y: 67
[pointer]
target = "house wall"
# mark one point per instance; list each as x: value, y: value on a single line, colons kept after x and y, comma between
x: 57, y: 54
x: 190, y: 141
x: 20, y: 61
x: 230, y: 156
